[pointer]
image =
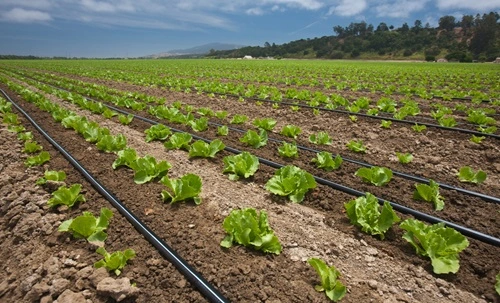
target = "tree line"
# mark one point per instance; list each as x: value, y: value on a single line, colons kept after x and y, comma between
x: 467, y: 39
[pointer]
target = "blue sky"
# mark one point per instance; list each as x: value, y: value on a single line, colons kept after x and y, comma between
x: 131, y: 28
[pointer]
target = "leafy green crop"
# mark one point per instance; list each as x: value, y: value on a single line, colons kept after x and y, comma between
x: 205, y: 150
x: 487, y: 130
x: 37, y: 160
x: 467, y: 174
x: 158, y: 132
x: 441, y: 244
x: 266, y: 124
x: 246, y: 227
x: 205, y: 111
x: 222, y: 130
x: 356, y: 146
x: 186, y: 187
x: 447, y: 122
x: 330, y: 284
x: 497, y: 285
x: 221, y: 114
x: 126, y: 157
x: 375, y: 175
x: 291, y: 131
x: 480, y: 118
x: 242, y: 165
x: 31, y: 147
x: 10, y: 119
x: 385, y: 124
x: 147, y: 169
x: 51, y: 175
x: 109, y: 143
x: 291, y: 181
x: 255, y: 140
x: 179, y: 141
x: 321, y: 138
x: 419, y: 128
x: 125, y: 120
x: 429, y: 193
x: 108, y: 114
x: 26, y: 136
x: 66, y: 196
x: 288, y: 150
x: 238, y: 119
x: 16, y: 128
x: 92, y: 132
x: 114, y: 262
x: 477, y: 139
x: 89, y: 227
x: 364, y: 212
x: 404, y: 158
x: 199, y: 125
x: 325, y: 161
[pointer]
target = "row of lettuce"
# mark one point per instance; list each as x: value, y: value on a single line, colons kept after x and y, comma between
x: 246, y: 227
x: 377, y: 176
x: 474, y: 116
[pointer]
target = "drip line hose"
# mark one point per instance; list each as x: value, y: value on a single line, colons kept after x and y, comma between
x: 360, y: 163
x: 403, y: 209
x: 167, y: 252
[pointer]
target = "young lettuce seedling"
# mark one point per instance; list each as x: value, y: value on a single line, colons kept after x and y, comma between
x: 429, y: 193
x: 255, y: 140
x: 179, y: 141
x: 404, y: 158
x: 222, y: 130
x: 89, y: 227
x: 292, y: 182
x: 375, y: 175
x: 186, y: 187
x: 330, y: 283
x: 291, y: 131
x: 288, y: 150
x: 441, y: 244
x: 325, y: 161
x: 364, y: 212
x: 250, y: 229
x: 321, y: 138
x: 158, y: 132
x: 51, y: 175
x: 467, y: 174
x: 114, y: 262
x: 37, y: 160
x: 205, y: 150
x: 242, y: 165
x: 66, y: 196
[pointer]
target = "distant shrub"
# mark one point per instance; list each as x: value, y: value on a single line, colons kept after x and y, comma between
x: 407, y: 53
x: 430, y: 58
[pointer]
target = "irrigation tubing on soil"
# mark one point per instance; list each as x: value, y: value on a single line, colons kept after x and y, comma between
x: 403, y: 209
x: 165, y: 250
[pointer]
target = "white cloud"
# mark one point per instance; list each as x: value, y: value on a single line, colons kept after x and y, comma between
x: 38, y: 4
x: 399, y: 8
x: 348, y: 8
x: 476, y: 5
x: 21, y: 15
x: 254, y: 11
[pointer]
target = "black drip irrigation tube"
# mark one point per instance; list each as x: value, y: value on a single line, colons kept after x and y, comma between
x: 403, y: 209
x: 360, y: 163
x: 165, y: 250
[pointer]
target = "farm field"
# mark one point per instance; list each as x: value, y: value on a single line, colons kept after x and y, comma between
x: 368, y: 113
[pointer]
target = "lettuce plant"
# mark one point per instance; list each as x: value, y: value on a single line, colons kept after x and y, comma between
x: 441, y: 244
x: 386, y: 123
x: 205, y: 111
x: 125, y: 120
x: 158, y: 132
x: 51, y: 175
x: 238, y: 119
x: 429, y: 193
x: 324, y: 160
x: 250, y: 229
x: 221, y: 114
x: 364, y: 212
x: 477, y: 139
x: 292, y: 182
x: 222, y: 130
x: 89, y: 227
x: 288, y: 150
x: 199, y: 125
x: 291, y: 131
x: 487, y: 130
x: 126, y: 157
x: 108, y: 113
x: 37, y: 160
x: 375, y: 175
x: 186, y: 187
x: 255, y: 140
x: 114, y: 262
x: 242, y: 165
x: 178, y: 141
x: 480, y: 118
x: 16, y: 128
x: 266, y: 124
x: 330, y: 283
x: 404, y: 158
x: 147, y: 169
x: 356, y: 146
x: 467, y: 174
x: 205, y: 150
x: 26, y: 136
x: 66, y: 196
x: 497, y: 284
x: 92, y: 132
x: 109, y: 143
x: 10, y: 119
x: 31, y: 147
x: 419, y: 128
x: 321, y: 138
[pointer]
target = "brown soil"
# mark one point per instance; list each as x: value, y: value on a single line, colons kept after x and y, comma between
x: 373, y: 270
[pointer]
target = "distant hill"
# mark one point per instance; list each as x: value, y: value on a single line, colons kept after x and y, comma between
x: 197, y: 50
